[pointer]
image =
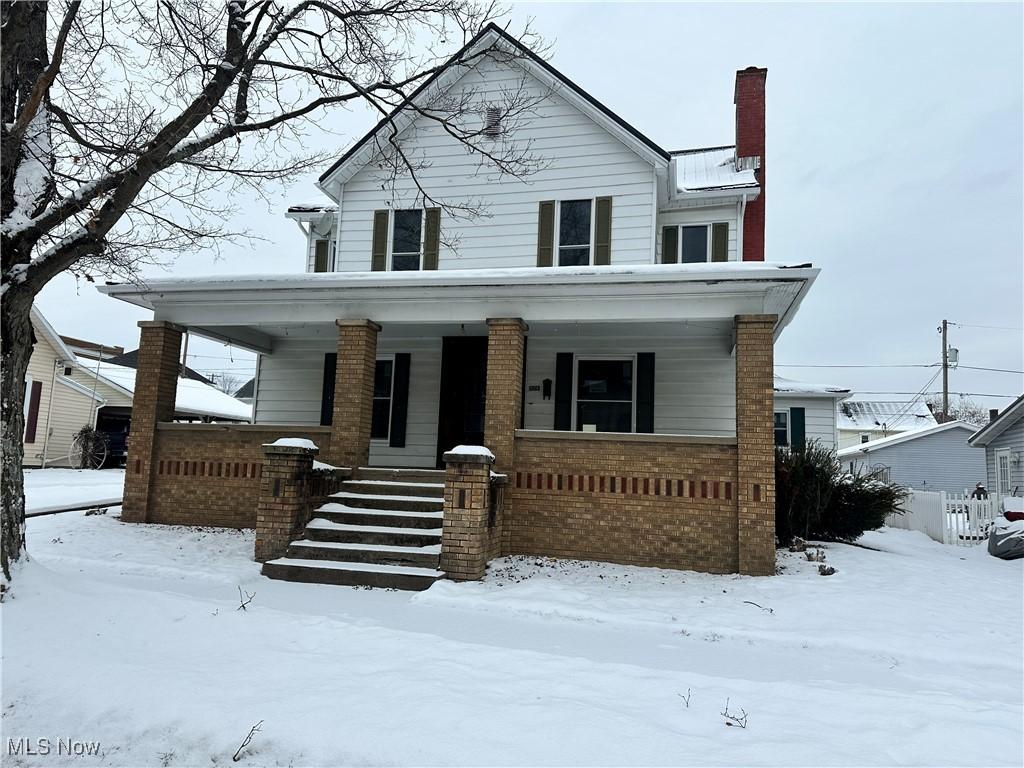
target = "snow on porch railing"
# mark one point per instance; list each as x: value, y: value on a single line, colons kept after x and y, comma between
x: 947, y: 518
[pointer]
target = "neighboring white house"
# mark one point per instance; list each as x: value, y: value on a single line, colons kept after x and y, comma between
x: 806, y: 412
x: 935, y: 458
x: 860, y: 421
x: 1003, y: 441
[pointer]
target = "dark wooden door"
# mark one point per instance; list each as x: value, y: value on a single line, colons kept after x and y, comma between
x: 463, y: 388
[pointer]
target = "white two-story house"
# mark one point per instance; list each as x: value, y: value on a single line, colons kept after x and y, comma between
x: 603, y: 325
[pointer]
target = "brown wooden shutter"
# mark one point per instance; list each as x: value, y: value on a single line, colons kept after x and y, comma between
x: 720, y: 242
x: 432, y: 238
x: 320, y: 256
x: 603, y: 231
x: 546, y: 234
x: 380, y: 241
x: 669, y: 245
x: 34, y: 397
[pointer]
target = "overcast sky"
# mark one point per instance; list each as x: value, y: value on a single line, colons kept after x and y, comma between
x: 894, y: 150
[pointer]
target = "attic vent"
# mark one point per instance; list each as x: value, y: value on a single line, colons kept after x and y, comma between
x: 492, y: 123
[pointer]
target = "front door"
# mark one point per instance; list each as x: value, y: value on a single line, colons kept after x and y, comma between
x: 1002, y: 457
x: 463, y: 387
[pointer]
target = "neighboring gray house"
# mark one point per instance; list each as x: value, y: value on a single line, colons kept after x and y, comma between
x: 932, y: 459
x: 1003, y: 441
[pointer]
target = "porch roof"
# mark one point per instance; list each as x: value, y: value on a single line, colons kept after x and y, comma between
x: 244, y: 309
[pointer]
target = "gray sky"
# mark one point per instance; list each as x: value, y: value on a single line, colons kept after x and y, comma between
x: 894, y: 154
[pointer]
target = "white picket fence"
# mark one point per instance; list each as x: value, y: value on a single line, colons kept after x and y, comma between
x: 948, y: 518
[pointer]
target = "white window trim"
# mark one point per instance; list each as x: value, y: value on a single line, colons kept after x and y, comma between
x: 391, y: 237
x: 708, y: 225
x: 997, y: 454
x: 558, y: 231
x: 576, y: 359
x: 391, y: 401
x: 789, y: 426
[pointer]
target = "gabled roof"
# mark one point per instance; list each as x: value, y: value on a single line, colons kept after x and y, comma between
x: 52, y: 337
x: 893, y: 416
x: 193, y: 398
x: 712, y: 168
x: 491, y: 36
x: 904, y: 437
x: 246, y: 390
x: 1010, y: 415
x: 130, y: 359
x: 785, y: 386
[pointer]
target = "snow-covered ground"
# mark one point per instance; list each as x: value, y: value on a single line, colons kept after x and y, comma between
x: 130, y: 635
x: 51, y: 488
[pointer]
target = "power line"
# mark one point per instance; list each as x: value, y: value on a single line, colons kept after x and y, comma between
x: 988, y: 327
x: 994, y: 370
x: 823, y: 365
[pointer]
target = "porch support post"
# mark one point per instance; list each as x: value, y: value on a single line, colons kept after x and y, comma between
x: 755, y: 475
x: 156, y: 385
x: 506, y: 345
x: 353, y: 393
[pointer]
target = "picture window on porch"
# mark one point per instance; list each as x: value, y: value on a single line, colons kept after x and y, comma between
x: 605, y: 395
x: 407, y: 240
x: 781, y: 429
x: 383, y: 386
x: 575, y: 232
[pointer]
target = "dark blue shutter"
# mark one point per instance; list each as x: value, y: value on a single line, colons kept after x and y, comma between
x: 645, y: 392
x: 327, y: 392
x: 797, y: 430
x: 563, y: 391
x: 399, y: 400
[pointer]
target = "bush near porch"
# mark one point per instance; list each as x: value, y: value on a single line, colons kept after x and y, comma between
x: 816, y: 499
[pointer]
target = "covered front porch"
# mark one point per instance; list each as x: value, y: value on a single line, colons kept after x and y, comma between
x: 629, y: 410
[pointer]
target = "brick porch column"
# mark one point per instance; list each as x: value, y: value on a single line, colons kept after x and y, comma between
x: 353, y: 393
x: 465, y: 533
x: 156, y: 385
x: 284, y: 498
x: 755, y: 436
x: 506, y: 344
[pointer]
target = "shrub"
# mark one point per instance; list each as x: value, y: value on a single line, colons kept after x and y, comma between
x: 816, y: 499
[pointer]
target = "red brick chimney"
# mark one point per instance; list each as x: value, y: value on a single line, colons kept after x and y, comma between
x: 749, y: 101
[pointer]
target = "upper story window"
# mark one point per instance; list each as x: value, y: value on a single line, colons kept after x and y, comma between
x: 782, y: 429
x: 695, y: 243
x: 605, y: 395
x: 383, y: 386
x: 323, y: 254
x: 574, y: 232
x: 407, y: 240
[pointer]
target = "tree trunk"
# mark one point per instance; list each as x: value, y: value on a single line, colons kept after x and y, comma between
x: 16, y: 343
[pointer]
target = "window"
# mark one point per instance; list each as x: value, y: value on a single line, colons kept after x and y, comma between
x: 67, y: 370
x: 492, y: 122
x: 693, y: 242
x: 604, y: 395
x: 406, y: 239
x: 781, y: 429
x: 383, y: 379
x: 323, y: 254
x: 698, y: 243
x: 574, y: 233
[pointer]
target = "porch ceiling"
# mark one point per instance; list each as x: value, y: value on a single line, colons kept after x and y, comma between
x: 656, y: 299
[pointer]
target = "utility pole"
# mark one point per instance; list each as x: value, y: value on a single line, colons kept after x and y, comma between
x: 945, y: 375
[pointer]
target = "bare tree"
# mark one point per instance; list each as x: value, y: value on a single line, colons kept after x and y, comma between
x: 227, y: 383
x: 121, y: 117
x: 961, y: 408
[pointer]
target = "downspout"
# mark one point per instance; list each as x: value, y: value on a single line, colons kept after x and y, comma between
x: 337, y: 229
x: 49, y: 412
x: 742, y: 207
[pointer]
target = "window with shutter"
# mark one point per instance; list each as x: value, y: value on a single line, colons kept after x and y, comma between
x: 695, y: 243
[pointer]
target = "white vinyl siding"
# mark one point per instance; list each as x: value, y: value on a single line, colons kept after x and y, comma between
x: 694, y: 380
x: 291, y: 381
x: 582, y: 160
x: 819, y: 416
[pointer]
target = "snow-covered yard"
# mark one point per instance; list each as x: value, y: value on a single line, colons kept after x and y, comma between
x: 130, y: 635
x: 54, y: 488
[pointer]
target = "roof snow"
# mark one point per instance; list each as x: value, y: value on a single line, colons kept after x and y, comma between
x: 700, y: 170
x: 902, y: 437
x: 193, y: 397
x: 789, y: 386
x: 311, y: 208
x: 892, y: 416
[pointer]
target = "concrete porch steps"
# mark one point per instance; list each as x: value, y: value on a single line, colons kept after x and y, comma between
x: 382, y: 529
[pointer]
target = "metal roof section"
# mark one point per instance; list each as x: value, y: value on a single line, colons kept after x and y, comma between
x: 895, y: 416
x: 712, y: 169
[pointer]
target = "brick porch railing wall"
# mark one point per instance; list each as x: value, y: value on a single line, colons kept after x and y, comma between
x: 210, y: 474
x: 283, y: 505
x: 651, y: 500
